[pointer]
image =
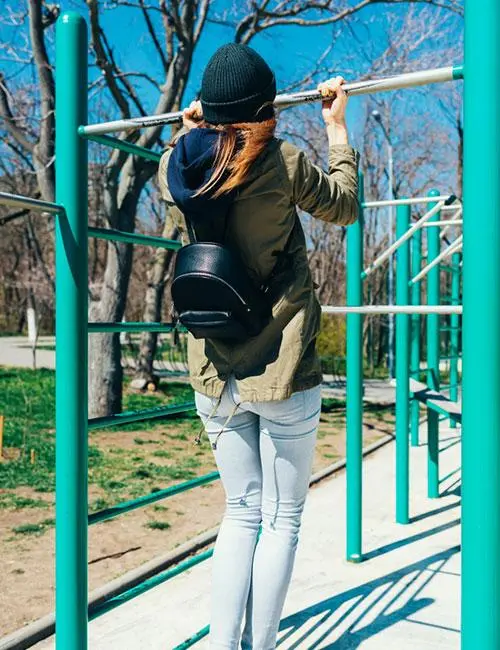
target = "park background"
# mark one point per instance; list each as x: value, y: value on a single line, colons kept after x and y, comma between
x: 146, y: 56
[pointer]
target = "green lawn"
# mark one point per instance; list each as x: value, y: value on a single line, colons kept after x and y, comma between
x: 27, y: 401
x: 137, y: 459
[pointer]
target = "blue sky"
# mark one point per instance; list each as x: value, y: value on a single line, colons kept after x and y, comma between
x: 292, y: 51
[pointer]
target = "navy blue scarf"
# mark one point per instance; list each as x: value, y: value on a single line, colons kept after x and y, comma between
x: 190, y: 166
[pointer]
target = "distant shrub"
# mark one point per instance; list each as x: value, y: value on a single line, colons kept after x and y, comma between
x: 332, y: 337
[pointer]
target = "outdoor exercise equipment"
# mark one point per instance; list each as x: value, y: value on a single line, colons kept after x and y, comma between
x: 481, y: 326
x: 287, y: 100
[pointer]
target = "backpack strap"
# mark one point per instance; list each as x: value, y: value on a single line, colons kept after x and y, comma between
x: 193, y: 239
x: 190, y: 230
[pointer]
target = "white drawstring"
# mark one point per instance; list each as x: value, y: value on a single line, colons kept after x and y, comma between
x: 228, y: 420
x: 197, y: 440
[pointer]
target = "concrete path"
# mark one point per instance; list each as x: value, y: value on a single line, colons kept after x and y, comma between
x: 16, y: 351
x: 405, y: 596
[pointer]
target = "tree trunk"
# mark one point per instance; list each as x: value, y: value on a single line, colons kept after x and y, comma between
x: 105, y: 370
x: 157, y: 279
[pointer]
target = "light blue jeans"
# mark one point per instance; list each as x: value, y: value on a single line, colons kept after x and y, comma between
x: 264, y: 455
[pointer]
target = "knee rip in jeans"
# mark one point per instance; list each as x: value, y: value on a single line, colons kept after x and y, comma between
x: 279, y: 515
x: 249, y: 502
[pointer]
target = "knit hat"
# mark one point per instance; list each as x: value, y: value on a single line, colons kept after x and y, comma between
x: 236, y: 83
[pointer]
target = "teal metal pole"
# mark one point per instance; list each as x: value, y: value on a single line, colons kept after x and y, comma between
x: 158, y: 579
x: 71, y: 335
x: 127, y: 506
x: 123, y: 145
x: 134, y: 238
x: 481, y: 328
x: 416, y: 297
x: 402, y: 370
x: 354, y: 406
x: 454, y: 329
x: 433, y: 337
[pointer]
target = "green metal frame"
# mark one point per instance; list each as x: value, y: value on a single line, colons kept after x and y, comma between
x: 481, y: 342
x: 481, y: 327
x: 122, y: 145
x: 433, y: 352
x: 416, y: 298
x: 354, y: 386
x: 455, y: 329
x: 148, y: 499
x: 71, y: 335
x: 137, y: 416
x: 72, y: 329
x: 146, y: 585
x: 403, y: 217
x: 130, y: 327
x: 134, y: 238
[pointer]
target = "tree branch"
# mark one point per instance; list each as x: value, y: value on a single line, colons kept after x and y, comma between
x: 14, y: 215
x: 154, y: 37
x: 44, y: 148
x: 11, y: 144
x: 102, y: 59
x: 9, y: 120
x: 261, y: 18
x: 202, y: 17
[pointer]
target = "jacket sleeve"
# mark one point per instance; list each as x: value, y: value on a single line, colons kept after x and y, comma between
x: 331, y: 196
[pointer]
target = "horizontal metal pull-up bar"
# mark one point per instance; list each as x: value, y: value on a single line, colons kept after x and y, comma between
x: 372, y: 310
x: 17, y: 201
x: 418, y: 224
x: 455, y: 218
x: 454, y: 247
x: 411, y: 201
x: 445, y: 222
x: 406, y: 80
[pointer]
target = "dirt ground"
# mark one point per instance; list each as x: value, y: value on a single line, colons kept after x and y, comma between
x: 123, y: 543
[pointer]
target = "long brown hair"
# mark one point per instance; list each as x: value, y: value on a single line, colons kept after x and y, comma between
x: 238, y: 147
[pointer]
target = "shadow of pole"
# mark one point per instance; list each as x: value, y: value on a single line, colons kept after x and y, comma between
x: 352, y: 638
x: 387, y: 548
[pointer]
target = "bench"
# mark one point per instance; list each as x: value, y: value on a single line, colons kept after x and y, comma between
x: 437, y: 404
x: 436, y: 401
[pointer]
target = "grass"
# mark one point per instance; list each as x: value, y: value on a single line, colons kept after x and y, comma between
x: 51, y: 348
x: 158, y: 525
x: 27, y: 401
x: 9, y: 500
x: 34, y: 529
x: 138, y: 459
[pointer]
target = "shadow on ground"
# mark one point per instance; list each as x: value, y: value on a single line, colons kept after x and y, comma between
x: 355, y: 607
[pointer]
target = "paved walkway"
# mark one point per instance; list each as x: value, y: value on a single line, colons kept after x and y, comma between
x: 16, y: 351
x: 405, y: 596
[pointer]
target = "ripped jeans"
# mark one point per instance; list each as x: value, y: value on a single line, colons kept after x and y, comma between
x: 264, y: 455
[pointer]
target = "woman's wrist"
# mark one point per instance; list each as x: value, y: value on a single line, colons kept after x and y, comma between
x: 337, y: 133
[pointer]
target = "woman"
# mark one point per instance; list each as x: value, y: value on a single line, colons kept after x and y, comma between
x: 260, y: 399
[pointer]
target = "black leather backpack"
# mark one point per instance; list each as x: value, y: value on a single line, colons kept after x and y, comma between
x: 213, y: 293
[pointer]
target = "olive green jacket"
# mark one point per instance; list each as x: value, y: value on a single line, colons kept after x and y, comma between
x: 282, y: 358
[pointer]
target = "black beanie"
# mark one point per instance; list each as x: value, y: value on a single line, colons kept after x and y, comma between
x: 236, y: 83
